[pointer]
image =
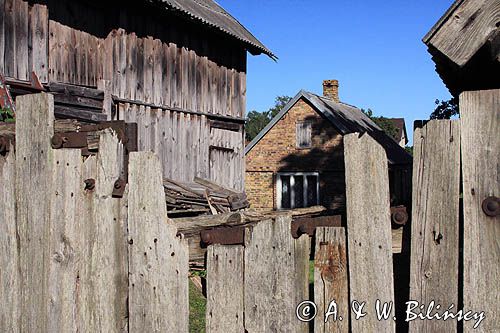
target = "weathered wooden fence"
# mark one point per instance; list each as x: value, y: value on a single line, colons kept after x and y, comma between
x: 78, y: 259
x: 455, y: 253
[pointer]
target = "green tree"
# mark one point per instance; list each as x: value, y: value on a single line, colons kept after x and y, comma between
x: 409, y: 150
x: 384, y: 123
x: 256, y: 121
x: 445, y: 109
x: 6, y: 115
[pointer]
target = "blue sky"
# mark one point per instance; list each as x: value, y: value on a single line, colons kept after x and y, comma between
x: 374, y: 49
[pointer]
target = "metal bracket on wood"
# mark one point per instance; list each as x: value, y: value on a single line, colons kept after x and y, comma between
x: 308, y: 225
x: 119, y: 188
x: 89, y: 184
x: 69, y: 140
x: 224, y: 236
x: 399, y: 215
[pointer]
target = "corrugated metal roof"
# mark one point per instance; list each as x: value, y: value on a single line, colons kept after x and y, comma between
x: 211, y: 13
x: 347, y: 119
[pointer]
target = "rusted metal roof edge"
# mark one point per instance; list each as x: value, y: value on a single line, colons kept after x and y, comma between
x: 258, y: 46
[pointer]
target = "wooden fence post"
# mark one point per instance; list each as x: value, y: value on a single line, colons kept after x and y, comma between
x: 107, y: 257
x: 435, y: 221
x: 369, y: 232
x: 34, y: 129
x: 9, y: 260
x: 270, y: 286
x: 480, y: 118
x: 302, y: 250
x: 65, y: 243
x: 224, y: 312
x: 330, y: 280
x: 158, y: 259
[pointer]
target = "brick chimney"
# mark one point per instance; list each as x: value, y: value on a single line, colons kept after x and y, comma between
x: 331, y: 89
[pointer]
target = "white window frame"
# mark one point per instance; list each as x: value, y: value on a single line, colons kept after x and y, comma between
x: 292, y: 175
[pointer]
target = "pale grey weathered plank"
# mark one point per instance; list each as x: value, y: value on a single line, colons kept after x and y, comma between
x: 270, y: 292
x: 302, y: 251
x: 480, y: 121
x: 461, y: 34
x: 9, y: 259
x: 330, y: 280
x: 369, y: 226
x: 158, y: 260
x: 224, y: 312
x: 39, y: 31
x: 108, y: 263
x: 34, y: 156
x: 65, y: 243
x: 434, y: 242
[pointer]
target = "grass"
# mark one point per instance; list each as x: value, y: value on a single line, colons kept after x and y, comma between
x: 197, y: 305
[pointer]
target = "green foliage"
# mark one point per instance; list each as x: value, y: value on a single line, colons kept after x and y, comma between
x: 409, y: 150
x: 256, y: 121
x: 384, y: 123
x: 445, y: 109
x: 202, y: 273
x: 6, y: 115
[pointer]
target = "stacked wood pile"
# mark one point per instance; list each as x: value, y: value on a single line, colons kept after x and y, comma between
x: 70, y: 101
x: 201, y: 197
x: 77, y: 102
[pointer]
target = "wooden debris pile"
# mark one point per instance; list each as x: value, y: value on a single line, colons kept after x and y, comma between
x: 201, y: 197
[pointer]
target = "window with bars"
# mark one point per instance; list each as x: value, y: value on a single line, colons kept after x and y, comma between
x: 296, y: 190
x: 303, y: 134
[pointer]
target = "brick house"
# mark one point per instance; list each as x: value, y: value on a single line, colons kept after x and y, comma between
x: 401, y: 135
x: 297, y: 160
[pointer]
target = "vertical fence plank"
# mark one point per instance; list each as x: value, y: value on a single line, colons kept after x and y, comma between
x: 270, y: 278
x: 330, y: 280
x: 434, y: 244
x: 369, y: 230
x: 9, y: 260
x: 65, y: 242
x: 22, y: 20
x: 224, y: 312
x: 2, y: 36
x: 158, y: 260
x: 85, y: 209
x: 10, y: 39
x: 302, y: 252
x: 107, y: 275
x: 480, y: 117
x: 39, y: 27
x: 34, y: 128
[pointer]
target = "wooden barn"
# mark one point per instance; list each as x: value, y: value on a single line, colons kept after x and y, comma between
x: 176, y: 68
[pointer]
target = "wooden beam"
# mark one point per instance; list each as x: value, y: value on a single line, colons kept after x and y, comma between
x: 76, y: 90
x: 225, y: 125
x: 79, y: 114
x: 464, y: 29
x: 117, y: 99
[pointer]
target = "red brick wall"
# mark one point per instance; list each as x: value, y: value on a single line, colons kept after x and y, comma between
x: 277, y: 152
